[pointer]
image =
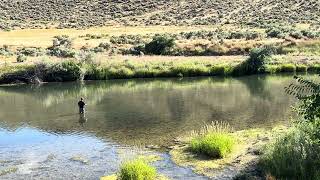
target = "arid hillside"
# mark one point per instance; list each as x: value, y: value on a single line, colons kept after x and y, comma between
x: 86, y: 13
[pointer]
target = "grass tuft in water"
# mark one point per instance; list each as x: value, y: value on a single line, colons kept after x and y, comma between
x: 137, y: 170
x: 213, y: 140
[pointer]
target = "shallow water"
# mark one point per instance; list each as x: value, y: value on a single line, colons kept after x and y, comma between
x: 43, y: 137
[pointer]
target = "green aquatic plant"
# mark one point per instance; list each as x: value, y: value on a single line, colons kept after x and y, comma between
x: 213, y: 140
x: 215, y: 145
x: 137, y: 170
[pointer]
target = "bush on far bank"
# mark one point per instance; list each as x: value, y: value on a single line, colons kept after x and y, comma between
x: 160, y: 45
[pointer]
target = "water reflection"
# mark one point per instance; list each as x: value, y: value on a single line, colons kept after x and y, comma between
x: 82, y: 119
x: 146, y: 111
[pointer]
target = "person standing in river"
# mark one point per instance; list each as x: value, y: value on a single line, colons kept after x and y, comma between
x: 81, y: 105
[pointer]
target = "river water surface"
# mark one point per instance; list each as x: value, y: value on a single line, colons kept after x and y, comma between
x: 43, y: 137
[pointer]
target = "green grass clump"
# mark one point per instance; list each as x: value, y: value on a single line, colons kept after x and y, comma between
x: 272, y: 69
x: 288, y: 68
x: 215, y: 145
x: 137, y: 170
x: 213, y: 140
x: 223, y: 69
x: 314, y: 68
x: 301, y: 68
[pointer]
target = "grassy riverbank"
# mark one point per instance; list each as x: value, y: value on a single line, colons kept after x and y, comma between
x: 133, y: 67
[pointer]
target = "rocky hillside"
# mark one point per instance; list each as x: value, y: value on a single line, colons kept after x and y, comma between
x: 86, y: 13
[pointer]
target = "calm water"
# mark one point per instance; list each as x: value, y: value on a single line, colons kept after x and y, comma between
x: 41, y: 132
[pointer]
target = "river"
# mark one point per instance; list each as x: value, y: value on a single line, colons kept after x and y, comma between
x: 43, y: 137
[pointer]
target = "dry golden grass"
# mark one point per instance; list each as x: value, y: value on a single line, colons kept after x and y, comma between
x: 43, y: 37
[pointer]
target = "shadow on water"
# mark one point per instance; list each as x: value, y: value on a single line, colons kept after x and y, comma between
x: 147, y: 111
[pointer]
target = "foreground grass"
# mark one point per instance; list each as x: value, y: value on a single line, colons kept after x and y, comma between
x: 294, y: 155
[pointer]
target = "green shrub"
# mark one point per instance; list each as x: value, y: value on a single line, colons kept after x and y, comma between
x: 310, y: 34
x: 307, y: 92
x: 86, y: 57
x: 137, y: 170
x: 137, y: 50
x: 62, y: 41
x: 126, y: 39
x: 256, y: 61
x: 105, y: 46
x: 61, y: 47
x: 21, y: 58
x: 275, y: 33
x: 243, y: 35
x: 214, y: 144
x: 65, y: 71
x: 98, y: 49
x: 5, y: 51
x: 160, y: 45
x: 296, y: 34
x: 62, y: 52
x: 296, y: 155
x: 32, y: 51
x: 102, y: 47
x: 288, y: 68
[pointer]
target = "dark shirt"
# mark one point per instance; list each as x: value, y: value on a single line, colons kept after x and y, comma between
x: 81, y: 104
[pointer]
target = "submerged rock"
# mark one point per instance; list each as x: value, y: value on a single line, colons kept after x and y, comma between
x: 80, y: 159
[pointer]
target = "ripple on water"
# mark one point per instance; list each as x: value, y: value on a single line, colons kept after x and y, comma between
x: 40, y: 155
